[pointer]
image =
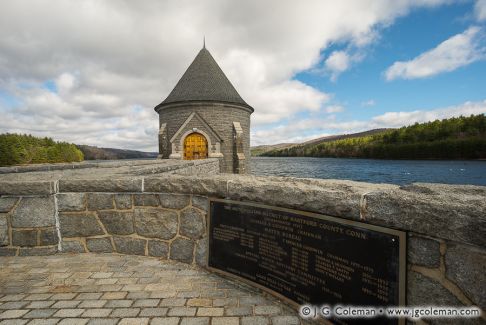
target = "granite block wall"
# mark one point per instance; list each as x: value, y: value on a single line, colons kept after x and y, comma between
x: 101, y: 215
x: 220, y: 117
x: 28, y: 222
x: 166, y: 217
x: 163, y: 225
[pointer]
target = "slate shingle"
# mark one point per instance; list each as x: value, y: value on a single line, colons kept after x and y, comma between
x: 204, y: 81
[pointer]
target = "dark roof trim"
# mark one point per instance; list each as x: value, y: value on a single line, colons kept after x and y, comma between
x: 195, y: 102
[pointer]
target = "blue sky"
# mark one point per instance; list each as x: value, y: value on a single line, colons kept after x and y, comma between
x: 90, y: 72
x: 407, y: 38
x: 362, y: 91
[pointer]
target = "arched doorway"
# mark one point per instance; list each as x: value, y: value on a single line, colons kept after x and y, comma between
x: 195, y: 147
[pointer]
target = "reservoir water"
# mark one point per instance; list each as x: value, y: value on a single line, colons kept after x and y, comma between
x: 399, y: 172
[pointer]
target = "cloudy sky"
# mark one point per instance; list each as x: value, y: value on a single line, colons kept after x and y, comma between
x: 91, y: 71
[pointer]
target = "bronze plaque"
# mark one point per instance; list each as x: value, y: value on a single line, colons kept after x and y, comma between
x: 308, y: 258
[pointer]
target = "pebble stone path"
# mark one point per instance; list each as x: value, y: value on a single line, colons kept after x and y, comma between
x: 120, y: 289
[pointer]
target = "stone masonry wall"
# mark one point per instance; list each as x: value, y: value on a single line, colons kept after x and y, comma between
x: 196, y: 167
x: 220, y: 117
x: 168, y: 226
x: 163, y: 225
x: 166, y: 216
x: 137, y: 167
x: 26, y: 227
x: 35, y: 215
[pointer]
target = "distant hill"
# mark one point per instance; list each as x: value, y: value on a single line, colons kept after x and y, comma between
x: 259, y: 150
x: 20, y: 149
x: 344, y: 136
x: 454, y: 138
x: 95, y: 153
x: 263, y: 149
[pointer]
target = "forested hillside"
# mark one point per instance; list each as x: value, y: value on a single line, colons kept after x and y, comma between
x: 17, y: 149
x: 262, y: 149
x: 96, y: 153
x: 454, y: 138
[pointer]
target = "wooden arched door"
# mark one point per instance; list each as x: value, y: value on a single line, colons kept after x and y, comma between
x: 195, y: 147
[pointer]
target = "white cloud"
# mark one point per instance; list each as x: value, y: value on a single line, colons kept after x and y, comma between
x: 313, y: 128
x: 370, y: 102
x: 286, y: 99
x: 341, y: 61
x: 455, y: 52
x: 65, y: 83
x: 301, y: 130
x: 337, y: 63
x: 113, y: 61
x: 80, y: 116
x: 480, y: 10
x: 398, y: 119
x: 334, y: 109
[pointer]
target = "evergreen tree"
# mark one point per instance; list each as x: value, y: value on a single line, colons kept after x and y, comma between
x: 454, y: 138
x: 16, y: 149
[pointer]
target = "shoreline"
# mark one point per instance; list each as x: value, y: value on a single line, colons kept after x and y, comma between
x: 380, y: 159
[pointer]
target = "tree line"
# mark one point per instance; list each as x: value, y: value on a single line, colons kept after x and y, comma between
x: 95, y: 153
x: 454, y: 138
x: 17, y: 149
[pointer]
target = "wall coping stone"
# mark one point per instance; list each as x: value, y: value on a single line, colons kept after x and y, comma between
x: 28, y: 187
x: 101, y: 185
x: 74, y: 165
x: 118, y: 167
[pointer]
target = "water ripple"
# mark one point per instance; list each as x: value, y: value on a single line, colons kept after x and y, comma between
x: 399, y: 172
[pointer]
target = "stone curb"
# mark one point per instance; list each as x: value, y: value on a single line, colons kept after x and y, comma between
x: 28, y: 188
x: 101, y: 185
x: 85, y: 164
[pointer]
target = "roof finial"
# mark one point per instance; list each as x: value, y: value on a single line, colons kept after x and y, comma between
x: 204, y: 41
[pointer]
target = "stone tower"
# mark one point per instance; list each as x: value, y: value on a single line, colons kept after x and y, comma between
x: 205, y: 117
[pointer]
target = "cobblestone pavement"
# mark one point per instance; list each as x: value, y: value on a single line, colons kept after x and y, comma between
x: 114, y: 289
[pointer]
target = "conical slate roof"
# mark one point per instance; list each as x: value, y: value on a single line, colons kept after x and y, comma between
x: 204, y: 81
